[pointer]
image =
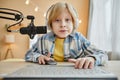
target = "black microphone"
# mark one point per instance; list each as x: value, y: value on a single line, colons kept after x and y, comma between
x: 31, y: 30
x: 35, y: 30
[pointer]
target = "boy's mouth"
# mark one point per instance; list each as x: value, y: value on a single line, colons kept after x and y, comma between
x: 63, y: 30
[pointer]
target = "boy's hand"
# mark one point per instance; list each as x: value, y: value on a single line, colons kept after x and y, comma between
x: 43, y: 58
x: 87, y: 62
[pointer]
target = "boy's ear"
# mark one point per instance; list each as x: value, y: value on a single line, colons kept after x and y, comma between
x: 47, y: 15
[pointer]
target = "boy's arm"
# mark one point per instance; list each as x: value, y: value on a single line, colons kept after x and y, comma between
x: 100, y: 56
x: 33, y: 53
x: 90, y: 50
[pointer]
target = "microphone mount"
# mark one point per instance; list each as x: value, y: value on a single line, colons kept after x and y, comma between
x: 31, y: 26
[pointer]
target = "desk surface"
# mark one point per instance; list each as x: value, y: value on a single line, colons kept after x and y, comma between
x: 9, y: 66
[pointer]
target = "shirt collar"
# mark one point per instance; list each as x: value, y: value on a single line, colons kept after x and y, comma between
x: 52, y: 36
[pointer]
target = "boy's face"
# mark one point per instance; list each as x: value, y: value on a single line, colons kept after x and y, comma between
x: 62, y: 26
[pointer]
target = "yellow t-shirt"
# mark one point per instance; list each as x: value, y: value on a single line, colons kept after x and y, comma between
x: 58, y: 52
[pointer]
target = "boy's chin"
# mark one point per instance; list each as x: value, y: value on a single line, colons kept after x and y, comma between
x: 61, y: 37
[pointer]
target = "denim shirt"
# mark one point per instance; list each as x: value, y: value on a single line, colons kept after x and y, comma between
x: 75, y: 46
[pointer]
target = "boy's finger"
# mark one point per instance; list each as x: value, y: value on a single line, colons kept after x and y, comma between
x: 47, y: 58
x: 42, y: 61
x: 72, y: 60
x: 48, y: 55
x: 91, y: 65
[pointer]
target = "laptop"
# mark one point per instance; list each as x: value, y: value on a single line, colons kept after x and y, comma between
x: 59, y: 72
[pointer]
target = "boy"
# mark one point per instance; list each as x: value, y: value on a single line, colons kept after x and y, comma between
x: 63, y: 43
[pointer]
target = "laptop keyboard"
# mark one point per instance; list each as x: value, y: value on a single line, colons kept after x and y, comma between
x: 37, y: 70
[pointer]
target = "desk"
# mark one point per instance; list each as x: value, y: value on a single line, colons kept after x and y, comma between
x: 9, y: 66
x: 114, y: 67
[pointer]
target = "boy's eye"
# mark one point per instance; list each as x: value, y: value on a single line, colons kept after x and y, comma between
x: 57, y: 20
x: 67, y: 20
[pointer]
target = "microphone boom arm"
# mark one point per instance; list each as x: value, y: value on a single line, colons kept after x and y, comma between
x: 16, y: 16
x: 31, y: 30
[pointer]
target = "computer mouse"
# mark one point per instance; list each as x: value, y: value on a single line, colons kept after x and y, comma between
x: 51, y: 62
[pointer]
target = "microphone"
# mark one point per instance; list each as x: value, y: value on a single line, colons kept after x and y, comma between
x: 31, y: 30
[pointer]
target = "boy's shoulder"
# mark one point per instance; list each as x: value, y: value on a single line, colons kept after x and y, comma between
x: 77, y: 35
x: 49, y: 35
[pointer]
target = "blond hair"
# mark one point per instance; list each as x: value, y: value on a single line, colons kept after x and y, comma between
x: 56, y: 9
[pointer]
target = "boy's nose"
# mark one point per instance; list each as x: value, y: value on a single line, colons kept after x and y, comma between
x: 63, y: 24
